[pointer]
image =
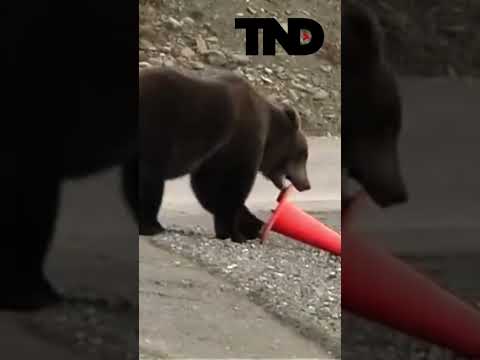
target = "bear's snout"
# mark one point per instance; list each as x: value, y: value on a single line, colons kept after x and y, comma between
x: 301, y: 184
x: 296, y: 173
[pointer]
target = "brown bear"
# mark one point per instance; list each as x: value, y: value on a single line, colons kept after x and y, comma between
x: 221, y: 132
x: 371, y: 111
x: 58, y: 125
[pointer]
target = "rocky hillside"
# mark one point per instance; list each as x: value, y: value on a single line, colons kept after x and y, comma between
x: 431, y: 37
x: 199, y: 35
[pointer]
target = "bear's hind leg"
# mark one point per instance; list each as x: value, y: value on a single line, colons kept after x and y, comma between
x: 222, y: 228
x: 28, y: 212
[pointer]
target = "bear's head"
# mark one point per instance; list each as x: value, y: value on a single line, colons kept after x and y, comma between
x: 286, y: 151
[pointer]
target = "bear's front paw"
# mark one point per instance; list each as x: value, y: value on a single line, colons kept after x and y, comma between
x: 252, y: 231
x: 238, y: 238
x: 151, y: 229
x: 222, y: 235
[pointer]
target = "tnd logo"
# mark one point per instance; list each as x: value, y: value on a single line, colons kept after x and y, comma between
x: 304, y: 36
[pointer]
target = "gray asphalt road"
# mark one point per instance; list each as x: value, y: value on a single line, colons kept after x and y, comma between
x: 94, y: 245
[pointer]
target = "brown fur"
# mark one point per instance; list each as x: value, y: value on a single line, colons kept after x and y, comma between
x: 60, y: 120
x: 221, y: 132
x: 371, y: 110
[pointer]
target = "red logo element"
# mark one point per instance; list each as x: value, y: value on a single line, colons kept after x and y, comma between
x: 305, y: 36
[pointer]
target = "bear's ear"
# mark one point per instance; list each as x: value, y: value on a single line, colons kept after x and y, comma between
x: 292, y: 115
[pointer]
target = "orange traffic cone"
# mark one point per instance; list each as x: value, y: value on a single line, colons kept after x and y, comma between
x: 291, y: 221
x: 380, y: 287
